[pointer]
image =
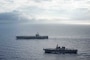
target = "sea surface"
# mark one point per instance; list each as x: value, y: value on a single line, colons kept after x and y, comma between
x: 70, y: 36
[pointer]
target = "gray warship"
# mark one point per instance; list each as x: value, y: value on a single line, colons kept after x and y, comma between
x: 37, y: 36
x: 61, y: 50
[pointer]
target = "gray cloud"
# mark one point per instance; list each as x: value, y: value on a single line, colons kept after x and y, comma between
x: 13, y: 17
x: 38, y: 9
x: 9, y: 16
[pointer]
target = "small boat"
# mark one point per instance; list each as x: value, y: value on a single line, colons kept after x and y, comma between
x: 61, y: 50
x: 37, y: 36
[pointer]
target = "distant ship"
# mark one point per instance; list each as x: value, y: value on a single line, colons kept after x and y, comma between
x: 59, y: 50
x: 37, y: 36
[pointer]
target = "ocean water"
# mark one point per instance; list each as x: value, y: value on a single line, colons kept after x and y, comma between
x: 70, y: 36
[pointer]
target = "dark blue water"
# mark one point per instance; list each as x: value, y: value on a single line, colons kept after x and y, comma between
x: 71, y: 36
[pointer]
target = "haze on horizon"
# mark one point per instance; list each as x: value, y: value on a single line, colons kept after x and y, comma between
x: 46, y: 11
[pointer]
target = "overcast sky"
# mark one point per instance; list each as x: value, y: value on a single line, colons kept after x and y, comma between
x: 50, y: 11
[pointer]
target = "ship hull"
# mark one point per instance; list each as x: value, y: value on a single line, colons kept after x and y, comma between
x: 32, y: 37
x: 54, y: 51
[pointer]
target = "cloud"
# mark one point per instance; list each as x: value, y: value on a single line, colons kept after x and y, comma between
x: 9, y: 16
x: 16, y: 17
x: 38, y: 10
x: 10, y: 5
x: 13, y: 17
